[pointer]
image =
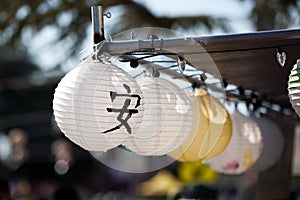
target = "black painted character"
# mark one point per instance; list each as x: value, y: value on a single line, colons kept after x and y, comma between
x: 124, y: 113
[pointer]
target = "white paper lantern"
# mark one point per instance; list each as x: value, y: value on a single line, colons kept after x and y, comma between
x: 294, y: 87
x: 98, y: 105
x: 243, y: 150
x: 167, y: 120
x: 273, y: 144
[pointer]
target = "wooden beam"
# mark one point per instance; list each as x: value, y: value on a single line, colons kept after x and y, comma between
x: 275, y: 182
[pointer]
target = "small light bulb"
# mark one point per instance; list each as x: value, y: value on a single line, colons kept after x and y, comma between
x: 281, y: 57
x: 181, y: 63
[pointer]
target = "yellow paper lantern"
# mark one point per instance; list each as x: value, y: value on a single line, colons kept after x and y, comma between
x: 211, y: 131
x: 244, y: 148
x: 97, y: 105
x: 167, y: 119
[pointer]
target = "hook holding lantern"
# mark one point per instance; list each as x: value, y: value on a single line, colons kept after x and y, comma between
x: 181, y: 63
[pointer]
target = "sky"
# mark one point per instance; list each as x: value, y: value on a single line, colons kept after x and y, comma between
x: 193, y: 7
x: 235, y: 10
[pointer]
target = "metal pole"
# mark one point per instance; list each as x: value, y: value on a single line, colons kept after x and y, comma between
x: 98, y: 24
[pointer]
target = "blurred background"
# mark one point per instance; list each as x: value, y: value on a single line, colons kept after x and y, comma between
x: 42, y: 40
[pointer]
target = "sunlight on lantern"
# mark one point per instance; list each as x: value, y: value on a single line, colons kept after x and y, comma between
x: 167, y: 120
x: 253, y: 136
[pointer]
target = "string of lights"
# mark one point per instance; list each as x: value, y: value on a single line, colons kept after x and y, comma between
x: 255, y: 100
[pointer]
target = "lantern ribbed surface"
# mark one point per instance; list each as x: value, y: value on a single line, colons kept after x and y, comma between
x: 211, y: 131
x: 91, y: 105
x: 294, y: 87
x: 167, y: 120
x: 243, y: 150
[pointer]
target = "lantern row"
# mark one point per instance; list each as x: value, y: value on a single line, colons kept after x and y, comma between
x: 99, y: 106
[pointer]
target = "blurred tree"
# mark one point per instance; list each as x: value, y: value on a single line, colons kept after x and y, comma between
x: 11, y: 61
x: 274, y: 14
x: 20, y: 20
x: 72, y: 18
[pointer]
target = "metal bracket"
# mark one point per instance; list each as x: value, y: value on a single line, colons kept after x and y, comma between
x: 98, y: 23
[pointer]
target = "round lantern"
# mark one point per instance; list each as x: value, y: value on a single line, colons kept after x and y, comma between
x: 167, y: 120
x: 244, y: 147
x: 97, y: 105
x: 294, y: 87
x: 296, y: 151
x: 211, y: 130
x: 273, y: 144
